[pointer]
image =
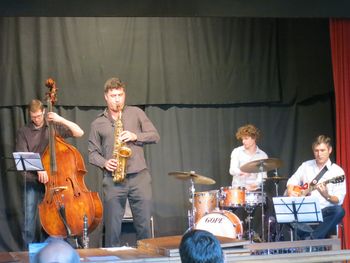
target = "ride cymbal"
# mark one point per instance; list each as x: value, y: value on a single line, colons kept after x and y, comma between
x: 262, y: 165
x: 196, y: 178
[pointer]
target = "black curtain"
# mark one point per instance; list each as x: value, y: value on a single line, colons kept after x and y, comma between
x: 164, y: 60
x: 198, y: 80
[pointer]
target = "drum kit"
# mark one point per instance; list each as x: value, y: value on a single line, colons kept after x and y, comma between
x: 213, y: 210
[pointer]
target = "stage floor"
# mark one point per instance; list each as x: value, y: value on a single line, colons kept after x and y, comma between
x: 165, y: 249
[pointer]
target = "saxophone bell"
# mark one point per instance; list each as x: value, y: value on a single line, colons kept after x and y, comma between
x: 124, y: 152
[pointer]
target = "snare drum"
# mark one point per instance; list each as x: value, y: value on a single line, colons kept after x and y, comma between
x: 204, y: 203
x: 255, y: 198
x: 222, y: 223
x: 232, y: 196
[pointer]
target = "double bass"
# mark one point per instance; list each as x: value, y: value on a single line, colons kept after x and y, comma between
x: 68, y: 206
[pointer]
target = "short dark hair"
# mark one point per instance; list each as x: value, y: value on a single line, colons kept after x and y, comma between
x: 200, y: 246
x: 113, y: 83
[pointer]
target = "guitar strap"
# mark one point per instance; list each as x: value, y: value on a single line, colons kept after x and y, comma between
x: 318, y: 177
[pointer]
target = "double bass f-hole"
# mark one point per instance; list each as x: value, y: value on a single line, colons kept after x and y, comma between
x: 67, y: 200
x: 55, y: 190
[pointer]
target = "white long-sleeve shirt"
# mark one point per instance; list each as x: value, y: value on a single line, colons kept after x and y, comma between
x: 239, y: 157
x: 308, y: 170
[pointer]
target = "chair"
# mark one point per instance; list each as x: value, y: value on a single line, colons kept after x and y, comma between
x: 128, y: 218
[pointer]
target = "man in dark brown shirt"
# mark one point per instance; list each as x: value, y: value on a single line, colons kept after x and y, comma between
x: 34, y: 137
x: 138, y: 130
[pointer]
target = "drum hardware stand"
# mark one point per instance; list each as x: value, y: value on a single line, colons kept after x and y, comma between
x: 220, y: 195
x: 261, y: 170
x: 194, y: 178
x: 272, y: 221
x: 276, y: 182
x: 192, y: 212
x: 260, y: 166
x: 250, y: 209
x: 278, y: 231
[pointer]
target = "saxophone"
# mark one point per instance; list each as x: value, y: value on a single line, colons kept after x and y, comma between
x: 120, y: 152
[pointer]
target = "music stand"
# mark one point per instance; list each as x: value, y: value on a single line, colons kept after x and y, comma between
x: 28, y: 161
x: 296, y: 210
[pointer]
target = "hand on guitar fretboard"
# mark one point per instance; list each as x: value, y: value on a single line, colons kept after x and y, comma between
x: 306, y: 189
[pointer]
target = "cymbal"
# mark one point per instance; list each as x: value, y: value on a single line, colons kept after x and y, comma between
x: 277, y: 178
x: 263, y: 165
x: 196, y: 178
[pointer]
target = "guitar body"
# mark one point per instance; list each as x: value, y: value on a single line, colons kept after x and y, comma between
x: 302, y: 190
x: 306, y: 189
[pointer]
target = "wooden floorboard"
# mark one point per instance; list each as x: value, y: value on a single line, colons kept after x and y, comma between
x: 165, y: 249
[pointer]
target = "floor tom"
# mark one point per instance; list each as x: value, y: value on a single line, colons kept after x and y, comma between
x: 204, y: 203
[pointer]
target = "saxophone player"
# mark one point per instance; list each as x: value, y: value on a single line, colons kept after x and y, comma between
x: 137, y: 130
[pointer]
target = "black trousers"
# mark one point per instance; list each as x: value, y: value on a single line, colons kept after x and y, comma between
x: 137, y: 189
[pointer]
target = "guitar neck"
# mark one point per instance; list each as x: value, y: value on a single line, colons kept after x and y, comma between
x: 338, y: 179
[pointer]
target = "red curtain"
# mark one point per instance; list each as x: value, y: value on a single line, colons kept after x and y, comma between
x: 340, y: 45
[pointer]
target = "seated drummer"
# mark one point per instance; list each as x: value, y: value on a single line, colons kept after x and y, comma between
x: 249, y: 151
x: 318, y: 172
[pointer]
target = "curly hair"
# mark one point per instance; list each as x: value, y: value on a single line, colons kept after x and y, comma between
x: 248, y: 130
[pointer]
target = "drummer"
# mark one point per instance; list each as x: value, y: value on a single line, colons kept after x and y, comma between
x: 249, y: 151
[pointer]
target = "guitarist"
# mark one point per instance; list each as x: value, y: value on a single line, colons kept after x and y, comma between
x: 310, y: 175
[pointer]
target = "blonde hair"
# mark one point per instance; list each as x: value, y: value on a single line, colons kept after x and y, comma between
x: 35, y: 105
x: 322, y: 139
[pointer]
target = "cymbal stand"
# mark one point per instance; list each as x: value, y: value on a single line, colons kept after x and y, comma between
x: 277, y: 227
x: 261, y: 170
x: 276, y: 182
x: 220, y: 195
x: 250, y: 209
x: 192, y: 212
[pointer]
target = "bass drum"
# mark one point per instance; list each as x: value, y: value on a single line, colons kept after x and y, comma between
x: 222, y: 223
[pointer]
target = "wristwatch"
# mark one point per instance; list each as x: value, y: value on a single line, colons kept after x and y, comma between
x: 329, y: 198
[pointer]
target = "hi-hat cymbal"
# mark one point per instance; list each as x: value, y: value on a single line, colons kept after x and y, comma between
x: 277, y: 178
x: 263, y: 165
x: 196, y: 178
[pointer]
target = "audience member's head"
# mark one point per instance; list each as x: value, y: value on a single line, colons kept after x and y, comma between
x: 200, y: 246
x: 57, y: 251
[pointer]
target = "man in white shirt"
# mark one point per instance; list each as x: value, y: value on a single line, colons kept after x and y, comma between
x: 330, y: 188
x: 250, y: 182
x: 249, y: 151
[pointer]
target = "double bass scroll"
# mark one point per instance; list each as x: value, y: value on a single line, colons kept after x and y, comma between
x: 67, y: 200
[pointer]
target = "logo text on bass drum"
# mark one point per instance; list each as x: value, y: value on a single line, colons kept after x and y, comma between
x: 215, y: 220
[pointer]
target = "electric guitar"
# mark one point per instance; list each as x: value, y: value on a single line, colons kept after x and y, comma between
x: 306, y: 189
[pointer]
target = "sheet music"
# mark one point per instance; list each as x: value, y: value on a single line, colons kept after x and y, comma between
x: 28, y: 161
x: 307, y: 209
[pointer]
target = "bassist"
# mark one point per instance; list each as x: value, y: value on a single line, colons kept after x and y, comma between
x: 316, y: 176
x: 34, y: 137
